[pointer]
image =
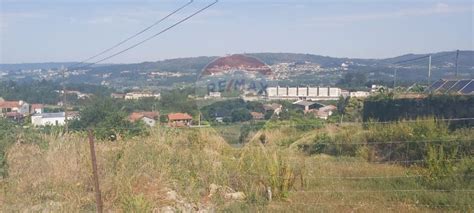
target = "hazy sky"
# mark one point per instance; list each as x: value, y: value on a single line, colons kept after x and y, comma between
x: 72, y: 30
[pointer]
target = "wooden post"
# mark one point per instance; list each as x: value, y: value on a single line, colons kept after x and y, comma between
x: 98, y: 198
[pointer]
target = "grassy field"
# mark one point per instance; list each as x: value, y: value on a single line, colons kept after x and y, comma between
x: 187, y: 170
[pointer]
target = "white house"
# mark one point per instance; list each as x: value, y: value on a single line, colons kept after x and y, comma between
x: 48, y: 119
x: 149, y: 118
x: 359, y: 94
x: 140, y: 95
x: 214, y: 95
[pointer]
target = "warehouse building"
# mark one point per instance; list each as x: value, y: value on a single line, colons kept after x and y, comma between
x: 303, y: 93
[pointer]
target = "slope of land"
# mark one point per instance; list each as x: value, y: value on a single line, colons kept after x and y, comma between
x: 196, y: 170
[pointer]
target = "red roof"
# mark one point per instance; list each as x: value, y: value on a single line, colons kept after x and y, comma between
x: 328, y: 108
x: 179, y: 116
x: 135, y: 116
x: 10, y: 104
x: 37, y: 106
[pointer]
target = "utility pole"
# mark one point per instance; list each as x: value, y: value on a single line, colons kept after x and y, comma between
x: 98, y: 197
x: 395, y: 78
x: 429, y: 70
x: 66, y: 126
x: 199, y: 124
x: 457, y: 60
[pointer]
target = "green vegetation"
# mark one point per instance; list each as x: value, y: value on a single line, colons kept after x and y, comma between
x: 281, y: 169
x: 353, y: 80
x: 35, y: 92
x: 108, y: 119
x: 10, y: 134
x: 7, y: 137
x: 46, y: 92
x: 236, y: 110
x: 290, y: 162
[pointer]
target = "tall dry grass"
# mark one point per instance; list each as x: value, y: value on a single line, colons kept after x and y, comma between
x: 138, y: 174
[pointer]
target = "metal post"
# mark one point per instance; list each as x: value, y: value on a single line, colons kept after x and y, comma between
x: 457, y: 60
x: 429, y: 70
x: 98, y: 198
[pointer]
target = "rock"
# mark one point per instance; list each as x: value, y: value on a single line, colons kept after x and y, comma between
x: 213, y: 189
x: 172, y: 195
x: 167, y: 209
x: 235, y: 196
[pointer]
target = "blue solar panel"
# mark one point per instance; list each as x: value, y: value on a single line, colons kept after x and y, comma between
x: 461, y: 84
x: 469, y: 89
x: 435, y: 86
x: 446, y: 86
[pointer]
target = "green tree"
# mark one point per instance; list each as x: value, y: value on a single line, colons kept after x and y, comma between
x: 354, y: 109
x: 353, y: 80
x: 105, y: 116
x: 240, y: 115
x: 341, y: 106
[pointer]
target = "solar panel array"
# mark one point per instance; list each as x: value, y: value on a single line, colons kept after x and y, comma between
x: 464, y: 87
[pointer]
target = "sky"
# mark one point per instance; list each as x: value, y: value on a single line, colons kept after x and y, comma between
x: 73, y: 30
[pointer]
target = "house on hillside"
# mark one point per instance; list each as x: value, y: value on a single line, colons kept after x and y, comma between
x: 149, y: 118
x: 48, y: 119
x: 14, y: 106
x: 276, y: 108
x: 179, y: 120
x: 117, y: 95
x: 257, y: 115
x: 359, y: 94
x: 307, y: 106
x: 141, y: 95
x: 78, y: 94
x: 53, y: 119
x: 36, y: 109
x: 213, y: 95
x: 325, y: 112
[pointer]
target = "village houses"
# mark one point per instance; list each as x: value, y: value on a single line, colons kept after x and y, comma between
x: 149, y: 118
x: 179, y: 120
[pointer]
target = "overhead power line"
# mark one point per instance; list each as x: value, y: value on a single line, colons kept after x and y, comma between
x: 413, y: 59
x: 425, y: 56
x: 151, y: 37
x: 133, y: 36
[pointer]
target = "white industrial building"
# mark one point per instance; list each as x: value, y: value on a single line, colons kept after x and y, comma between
x: 304, y: 93
x: 141, y: 95
x: 48, y: 119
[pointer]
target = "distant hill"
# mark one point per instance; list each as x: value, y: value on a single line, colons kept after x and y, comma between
x: 187, y: 69
x: 29, y: 66
x: 466, y: 59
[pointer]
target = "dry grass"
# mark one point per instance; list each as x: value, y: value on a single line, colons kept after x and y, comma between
x: 137, y: 175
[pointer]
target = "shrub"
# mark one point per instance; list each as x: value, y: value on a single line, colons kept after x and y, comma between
x: 266, y: 167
